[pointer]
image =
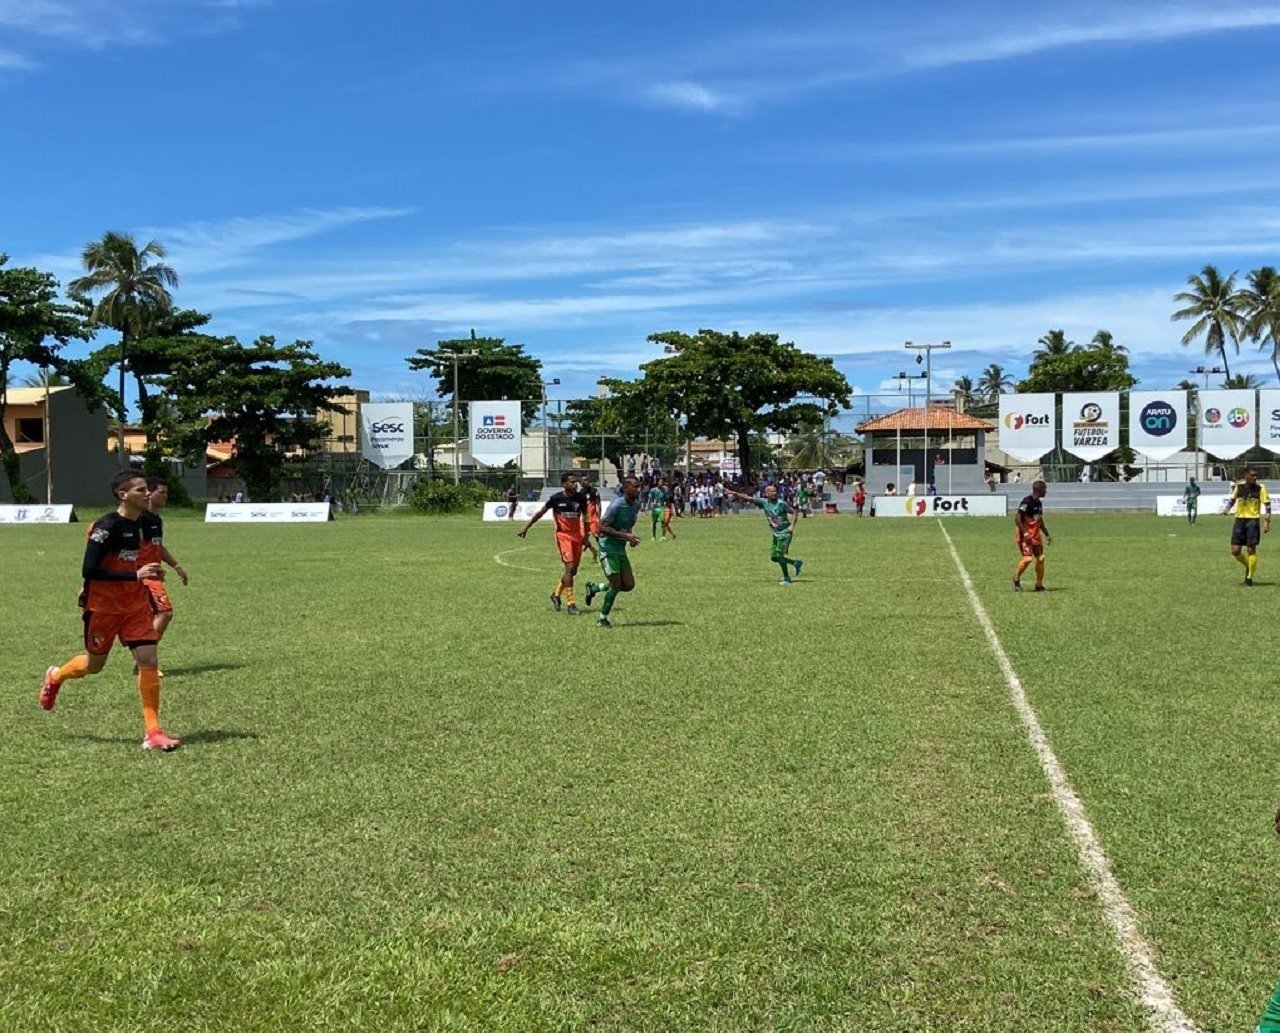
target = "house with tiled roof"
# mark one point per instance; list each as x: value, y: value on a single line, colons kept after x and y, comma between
x: 929, y: 444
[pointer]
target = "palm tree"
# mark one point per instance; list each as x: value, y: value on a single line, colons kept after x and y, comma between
x: 1242, y: 382
x: 1053, y: 343
x: 1262, y: 311
x: 1105, y: 341
x: 994, y: 382
x: 964, y: 388
x: 133, y: 287
x: 1218, y: 311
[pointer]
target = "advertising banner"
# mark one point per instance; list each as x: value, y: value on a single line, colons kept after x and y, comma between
x: 1228, y: 422
x: 1091, y: 424
x: 940, y: 505
x: 35, y: 514
x: 386, y: 433
x: 1269, y: 419
x: 495, y: 432
x: 1176, y: 505
x: 1157, y: 422
x: 1027, y: 425
x: 266, y: 513
x: 523, y: 511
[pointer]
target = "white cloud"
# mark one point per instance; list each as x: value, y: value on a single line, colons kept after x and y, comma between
x: 690, y: 96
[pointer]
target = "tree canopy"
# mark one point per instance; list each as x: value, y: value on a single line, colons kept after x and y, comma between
x: 496, y: 370
x: 730, y: 385
x: 1094, y: 368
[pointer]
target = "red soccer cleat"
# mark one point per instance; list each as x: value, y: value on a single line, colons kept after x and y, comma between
x: 49, y: 690
x: 157, y: 740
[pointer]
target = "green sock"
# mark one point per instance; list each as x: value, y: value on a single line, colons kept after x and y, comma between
x: 610, y: 595
x: 783, y: 565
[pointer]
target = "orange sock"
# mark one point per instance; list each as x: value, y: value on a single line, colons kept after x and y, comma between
x: 76, y: 667
x: 568, y: 595
x: 149, y: 689
x: 558, y: 589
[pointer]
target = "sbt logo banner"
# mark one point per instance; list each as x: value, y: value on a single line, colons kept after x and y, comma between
x: 386, y: 433
x: 1228, y: 427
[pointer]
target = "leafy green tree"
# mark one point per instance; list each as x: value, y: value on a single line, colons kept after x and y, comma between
x: 162, y: 334
x: 1085, y: 369
x: 734, y: 386
x: 1053, y: 344
x: 1261, y: 303
x: 612, y: 426
x: 496, y: 370
x: 34, y: 327
x: 133, y: 285
x: 994, y: 382
x: 965, y: 389
x: 1217, y: 311
x: 263, y: 397
x: 814, y: 447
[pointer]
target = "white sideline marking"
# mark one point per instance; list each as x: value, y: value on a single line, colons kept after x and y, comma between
x: 1163, y: 1013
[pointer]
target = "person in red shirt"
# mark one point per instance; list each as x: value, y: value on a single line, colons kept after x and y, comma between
x: 567, y: 505
x: 116, y: 606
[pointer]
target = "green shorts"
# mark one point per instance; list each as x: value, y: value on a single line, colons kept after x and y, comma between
x: 779, y: 546
x: 614, y: 563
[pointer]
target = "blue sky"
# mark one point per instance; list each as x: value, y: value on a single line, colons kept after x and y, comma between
x: 377, y: 175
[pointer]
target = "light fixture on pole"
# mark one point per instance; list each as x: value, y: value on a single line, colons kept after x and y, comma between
x: 546, y: 430
x: 1206, y: 372
x: 928, y: 350
x: 455, y: 357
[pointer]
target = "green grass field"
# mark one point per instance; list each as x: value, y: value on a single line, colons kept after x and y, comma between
x: 412, y: 797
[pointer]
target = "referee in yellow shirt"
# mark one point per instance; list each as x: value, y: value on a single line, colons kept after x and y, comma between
x: 1252, y: 506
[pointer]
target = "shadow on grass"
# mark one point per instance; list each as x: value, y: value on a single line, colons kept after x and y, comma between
x: 200, y: 668
x: 207, y: 737
x: 650, y: 624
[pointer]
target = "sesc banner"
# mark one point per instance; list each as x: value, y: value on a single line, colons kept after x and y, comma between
x: 1091, y: 424
x: 495, y: 432
x: 1027, y: 425
x: 386, y: 433
x: 1157, y: 422
x: 1228, y: 422
x: 1269, y: 419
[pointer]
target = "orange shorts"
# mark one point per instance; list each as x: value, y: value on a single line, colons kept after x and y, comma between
x: 570, y: 547
x: 102, y: 629
x: 160, y: 602
x: 1029, y: 544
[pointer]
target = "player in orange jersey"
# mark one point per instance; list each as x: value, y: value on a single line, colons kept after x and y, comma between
x: 567, y: 506
x: 155, y: 551
x: 1032, y: 535
x: 116, y: 606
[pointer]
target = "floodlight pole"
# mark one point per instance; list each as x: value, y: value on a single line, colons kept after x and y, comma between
x: 928, y: 350
x: 1205, y: 372
x: 546, y: 430
x: 455, y: 357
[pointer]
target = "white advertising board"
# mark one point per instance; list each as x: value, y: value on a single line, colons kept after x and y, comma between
x: 524, y: 510
x: 1091, y: 423
x: 386, y: 433
x: 1157, y: 423
x: 1269, y: 419
x: 940, y: 505
x: 35, y: 514
x: 1176, y: 505
x: 495, y: 432
x: 266, y: 513
x: 1228, y: 422
x: 1028, y: 425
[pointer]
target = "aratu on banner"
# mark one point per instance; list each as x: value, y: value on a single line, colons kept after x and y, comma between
x: 1269, y: 419
x: 1028, y: 425
x: 1228, y: 422
x: 386, y: 433
x: 1157, y: 423
x: 1091, y: 424
x: 495, y: 432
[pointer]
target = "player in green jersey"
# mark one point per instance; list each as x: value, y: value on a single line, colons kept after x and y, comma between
x: 778, y: 513
x: 1191, y: 496
x: 616, y: 533
x: 657, y: 502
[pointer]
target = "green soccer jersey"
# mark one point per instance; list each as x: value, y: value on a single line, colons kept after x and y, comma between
x: 657, y: 498
x: 621, y: 516
x: 777, y: 514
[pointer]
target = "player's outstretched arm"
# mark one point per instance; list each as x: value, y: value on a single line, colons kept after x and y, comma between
x: 532, y: 520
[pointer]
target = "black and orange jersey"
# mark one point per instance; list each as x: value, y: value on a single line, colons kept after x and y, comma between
x: 111, y: 559
x: 567, y: 510
x: 591, y: 511
x: 1030, y: 517
x: 152, y: 538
